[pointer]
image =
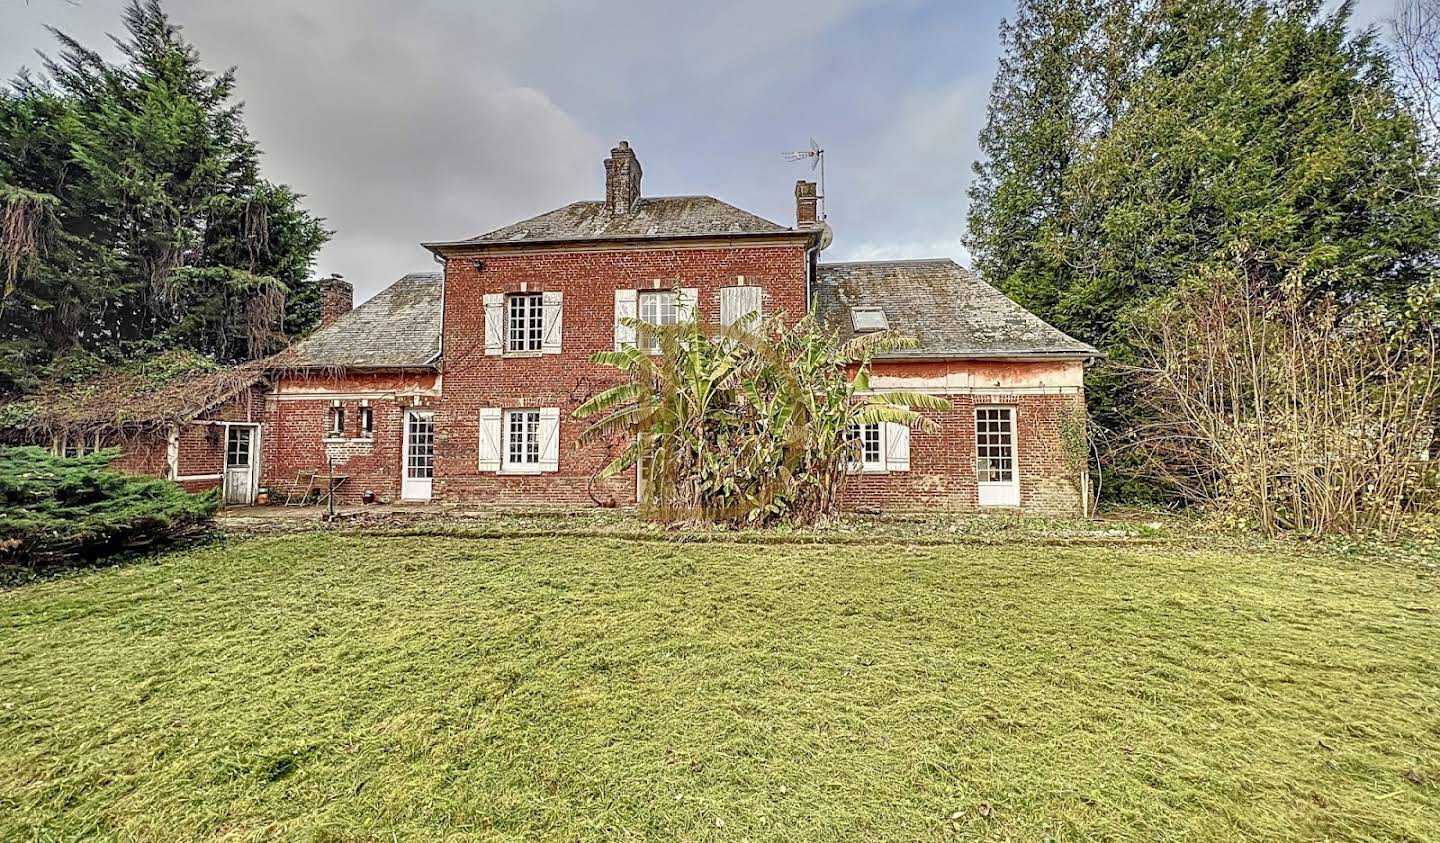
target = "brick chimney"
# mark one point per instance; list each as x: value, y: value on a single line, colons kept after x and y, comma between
x: 622, y: 180
x: 806, y: 205
x: 337, y: 298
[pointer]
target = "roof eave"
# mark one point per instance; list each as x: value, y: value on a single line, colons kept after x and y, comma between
x: 999, y: 356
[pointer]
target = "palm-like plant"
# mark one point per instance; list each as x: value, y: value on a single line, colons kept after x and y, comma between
x: 754, y: 423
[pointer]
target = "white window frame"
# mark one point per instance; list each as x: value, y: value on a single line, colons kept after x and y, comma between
x: 526, y: 422
x: 651, y: 343
x: 496, y: 455
x: 866, y: 462
x: 525, y: 330
x: 894, y: 447
x: 365, y: 417
x: 337, y: 423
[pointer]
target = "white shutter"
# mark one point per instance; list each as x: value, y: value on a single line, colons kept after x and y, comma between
x: 494, y: 322
x: 736, y: 302
x: 687, y: 304
x: 550, y: 439
x: 490, y: 439
x: 626, y: 302
x: 550, y: 344
x: 897, y: 447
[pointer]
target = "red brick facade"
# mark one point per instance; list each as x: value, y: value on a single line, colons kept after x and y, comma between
x: 192, y: 454
x: 299, y: 434
x: 587, y: 281
x: 298, y: 412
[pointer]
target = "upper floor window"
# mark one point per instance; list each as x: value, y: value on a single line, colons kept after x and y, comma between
x: 367, y: 421
x: 657, y: 308
x: 737, y: 303
x: 525, y: 322
x: 337, y: 421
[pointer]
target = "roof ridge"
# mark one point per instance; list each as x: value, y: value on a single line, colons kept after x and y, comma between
x: 894, y: 261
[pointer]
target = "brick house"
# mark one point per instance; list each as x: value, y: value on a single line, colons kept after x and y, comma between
x: 201, y: 430
x: 459, y: 385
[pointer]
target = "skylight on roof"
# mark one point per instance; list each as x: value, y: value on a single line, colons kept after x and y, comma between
x: 868, y: 319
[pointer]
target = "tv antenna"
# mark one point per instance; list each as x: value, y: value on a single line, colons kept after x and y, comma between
x: 816, y: 156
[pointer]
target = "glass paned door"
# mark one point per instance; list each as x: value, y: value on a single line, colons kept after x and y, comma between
x: 996, y: 474
x: 419, y: 455
x: 240, y: 465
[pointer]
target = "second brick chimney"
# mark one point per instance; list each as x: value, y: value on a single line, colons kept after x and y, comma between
x: 806, y: 205
x: 622, y: 180
x: 337, y: 298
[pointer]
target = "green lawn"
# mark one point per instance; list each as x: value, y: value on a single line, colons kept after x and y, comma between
x: 331, y: 687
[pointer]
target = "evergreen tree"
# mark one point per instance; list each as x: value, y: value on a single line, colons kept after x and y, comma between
x: 1064, y: 78
x: 135, y: 216
x: 1233, y: 127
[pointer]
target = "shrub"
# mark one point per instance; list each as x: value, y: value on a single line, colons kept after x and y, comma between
x: 66, y: 510
x: 1292, y: 414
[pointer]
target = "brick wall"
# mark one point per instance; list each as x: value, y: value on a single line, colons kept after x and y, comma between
x: 201, y: 447
x: 588, y: 281
x: 942, y: 461
x: 298, y: 433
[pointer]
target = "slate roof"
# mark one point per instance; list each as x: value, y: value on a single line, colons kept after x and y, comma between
x: 399, y: 328
x: 944, y: 305
x: 655, y: 217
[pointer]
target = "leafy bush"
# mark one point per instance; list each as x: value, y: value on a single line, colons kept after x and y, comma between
x: 753, y: 424
x: 57, y: 510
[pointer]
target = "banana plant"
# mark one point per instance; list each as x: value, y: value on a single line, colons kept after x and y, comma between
x: 752, y: 423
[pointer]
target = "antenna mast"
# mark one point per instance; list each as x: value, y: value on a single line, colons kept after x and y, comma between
x: 816, y: 156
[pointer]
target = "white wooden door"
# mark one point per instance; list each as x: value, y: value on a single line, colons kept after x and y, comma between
x: 997, y: 474
x: 242, y: 464
x: 419, y: 455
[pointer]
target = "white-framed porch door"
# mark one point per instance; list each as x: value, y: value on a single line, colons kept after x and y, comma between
x: 997, y: 474
x: 419, y: 455
x: 242, y: 464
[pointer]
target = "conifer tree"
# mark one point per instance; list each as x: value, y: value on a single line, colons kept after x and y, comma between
x: 135, y: 217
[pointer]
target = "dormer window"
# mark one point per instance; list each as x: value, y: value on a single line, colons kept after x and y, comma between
x: 868, y: 320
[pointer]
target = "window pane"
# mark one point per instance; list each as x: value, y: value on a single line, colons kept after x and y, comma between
x: 522, y: 437
x: 420, y: 446
x: 525, y: 322
x: 656, y: 307
x: 994, y: 445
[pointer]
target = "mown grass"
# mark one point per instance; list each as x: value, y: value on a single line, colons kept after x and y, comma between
x: 340, y: 687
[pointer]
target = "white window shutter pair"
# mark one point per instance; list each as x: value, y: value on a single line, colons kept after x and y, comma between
x: 736, y: 302
x: 553, y: 316
x: 494, y: 322
x: 626, y: 302
x: 490, y: 438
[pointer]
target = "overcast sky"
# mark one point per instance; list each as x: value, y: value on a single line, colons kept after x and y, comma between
x: 441, y: 119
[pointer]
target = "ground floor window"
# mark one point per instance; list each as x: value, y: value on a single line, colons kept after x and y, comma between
x: 522, y: 439
x: 870, y: 448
